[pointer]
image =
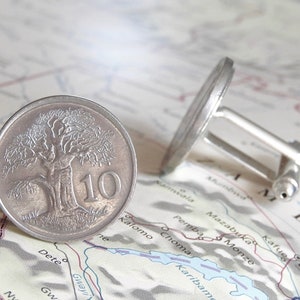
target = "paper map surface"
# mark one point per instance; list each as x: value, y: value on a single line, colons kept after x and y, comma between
x: 211, y: 230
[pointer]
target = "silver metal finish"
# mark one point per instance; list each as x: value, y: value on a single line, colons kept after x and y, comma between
x: 240, y: 157
x: 287, y: 182
x: 286, y: 186
x: 68, y: 168
x: 200, y: 112
x: 204, y: 108
x: 268, y: 138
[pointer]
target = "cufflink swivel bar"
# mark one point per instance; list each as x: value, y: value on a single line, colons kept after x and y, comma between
x: 286, y: 181
x: 207, y: 106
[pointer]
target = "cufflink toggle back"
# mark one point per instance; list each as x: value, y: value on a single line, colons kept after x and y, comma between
x: 207, y: 106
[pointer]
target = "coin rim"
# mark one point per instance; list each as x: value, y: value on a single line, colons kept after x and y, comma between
x: 196, y: 119
x: 72, y: 99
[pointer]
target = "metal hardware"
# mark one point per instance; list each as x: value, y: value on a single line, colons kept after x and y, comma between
x: 207, y: 106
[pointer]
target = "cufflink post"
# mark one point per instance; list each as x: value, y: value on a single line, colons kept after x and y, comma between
x: 206, y: 107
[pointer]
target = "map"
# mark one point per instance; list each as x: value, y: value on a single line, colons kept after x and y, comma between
x: 211, y: 229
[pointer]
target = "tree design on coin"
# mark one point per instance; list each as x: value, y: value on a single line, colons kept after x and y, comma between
x: 53, y: 142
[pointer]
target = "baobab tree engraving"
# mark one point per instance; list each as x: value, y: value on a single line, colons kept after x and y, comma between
x: 54, y: 140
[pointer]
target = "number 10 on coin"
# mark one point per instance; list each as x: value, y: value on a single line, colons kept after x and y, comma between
x: 68, y: 168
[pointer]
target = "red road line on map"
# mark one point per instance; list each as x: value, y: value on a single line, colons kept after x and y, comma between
x: 34, y: 76
x: 297, y: 107
x: 77, y: 254
x: 153, y: 224
x: 218, y: 238
x: 266, y: 260
x: 80, y: 266
x: 258, y: 84
x: 275, y: 227
x: 205, y: 238
x: 258, y: 208
x: 184, y: 96
x: 281, y: 277
x: 208, y: 239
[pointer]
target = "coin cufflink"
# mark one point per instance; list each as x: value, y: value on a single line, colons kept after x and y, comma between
x: 204, y: 108
x: 68, y: 168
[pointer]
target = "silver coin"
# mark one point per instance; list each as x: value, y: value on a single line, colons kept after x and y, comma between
x: 68, y: 168
x: 195, y: 121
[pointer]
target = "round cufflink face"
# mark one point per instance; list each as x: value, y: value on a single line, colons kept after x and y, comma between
x: 199, y: 114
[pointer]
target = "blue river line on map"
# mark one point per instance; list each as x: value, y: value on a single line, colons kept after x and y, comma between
x: 210, y: 270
